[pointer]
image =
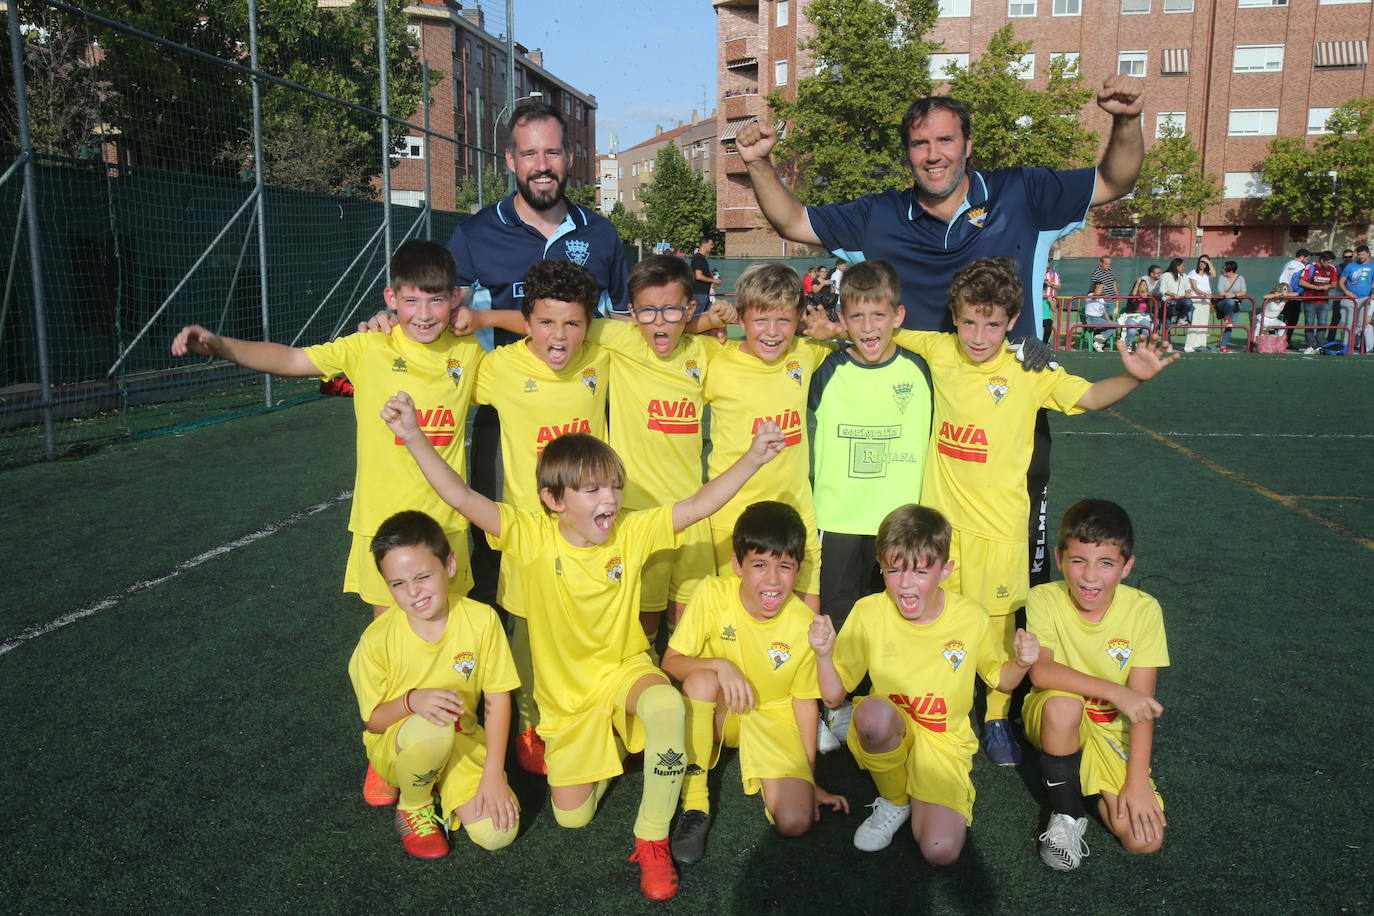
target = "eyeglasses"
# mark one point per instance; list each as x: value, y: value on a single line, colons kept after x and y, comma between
x: 648, y: 314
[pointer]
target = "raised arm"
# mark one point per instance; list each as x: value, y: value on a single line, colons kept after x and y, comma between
x: 718, y: 491
x: 1122, y: 97
x: 782, y: 210
x: 1025, y: 653
x: 258, y: 355
x: 399, y: 414
x: 1141, y: 365
x: 822, y: 639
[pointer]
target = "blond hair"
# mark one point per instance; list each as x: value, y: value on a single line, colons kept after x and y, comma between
x: 768, y: 286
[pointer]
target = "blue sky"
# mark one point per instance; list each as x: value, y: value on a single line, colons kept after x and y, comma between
x: 649, y: 62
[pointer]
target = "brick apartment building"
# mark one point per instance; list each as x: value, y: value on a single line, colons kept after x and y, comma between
x: 1233, y: 73
x: 628, y: 171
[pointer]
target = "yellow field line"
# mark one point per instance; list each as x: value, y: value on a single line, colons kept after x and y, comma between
x: 1290, y: 502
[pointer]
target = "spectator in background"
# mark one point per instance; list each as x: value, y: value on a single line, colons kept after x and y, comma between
x: 1230, y: 287
x: 837, y: 275
x: 1097, y: 315
x: 1200, y: 288
x: 702, y: 280
x: 1346, y: 257
x: 1173, y: 291
x: 1316, y: 281
x: 1051, y: 286
x: 809, y: 281
x: 1292, y: 307
x: 1104, y: 275
x: 1357, y: 278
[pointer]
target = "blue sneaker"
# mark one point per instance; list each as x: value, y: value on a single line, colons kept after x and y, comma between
x: 1001, y: 747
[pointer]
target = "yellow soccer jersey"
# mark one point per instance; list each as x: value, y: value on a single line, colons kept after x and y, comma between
x: 656, y: 407
x: 537, y: 405
x: 926, y: 670
x: 775, y: 655
x: 744, y: 392
x: 1129, y: 635
x: 582, y: 603
x: 440, y: 377
x: 471, y: 658
x: 984, y: 432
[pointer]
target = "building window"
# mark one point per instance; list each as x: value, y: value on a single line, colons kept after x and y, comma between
x: 1070, y: 59
x: 413, y: 147
x: 634, y: 170
x: 1256, y: 3
x: 1316, y: 120
x: 780, y: 13
x: 620, y: 171
x: 1021, y: 9
x: 953, y: 9
x: 1336, y: 2
x: 1174, y: 62
x: 779, y: 73
x: 1131, y: 7
x: 1257, y: 59
x: 1244, y: 184
x: 1068, y: 7
x: 938, y: 63
x: 1024, y: 68
x: 1178, y: 6
x: 1341, y: 55
x: 408, y: 198
x: 1253, y: 122
x: 1178, y: 119
x: 1131, y: 63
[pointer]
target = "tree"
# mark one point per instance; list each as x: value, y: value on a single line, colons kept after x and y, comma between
x: 1329, y: 183
x: 871, y: 61
x: 62, y: 97
x: 1171, y: 181
x: 1017, y: 125
x: 629, y: 227
x: 584, y: 195
x: 679, y: 205
x: 465, y: 192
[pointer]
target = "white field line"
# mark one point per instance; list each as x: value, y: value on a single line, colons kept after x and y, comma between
x: 43, y: 629
x: 1086, y: 432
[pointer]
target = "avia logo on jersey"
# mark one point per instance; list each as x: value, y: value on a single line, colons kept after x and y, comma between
x: 438, y: 425
x: 928, y: 711
x: 997, y: 387
x: 578, y: 251
x: 674, y: 417
x: 901, y: 393
x: 1120, y: 650
x: 549, y: 433
x: 793, y: 370
x: 465, y: 663
x: 789, y: 421
x: 779, y: 652
x: 693, y: 370
x: 1100, y: 710
x: 589, y: 379
x: 954, y: 653
x: 965, y: 443
x: 455, y: 371
x: 615, y: 568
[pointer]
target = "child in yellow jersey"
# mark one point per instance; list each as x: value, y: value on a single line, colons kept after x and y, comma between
x: 985, y: 409
x: 766, y: 378
x: 921, y: 644
x: 749, y: 676
x: 579, y: 564
x: 419, y: 353
x: 1093, y: 707
x: 419, y: 671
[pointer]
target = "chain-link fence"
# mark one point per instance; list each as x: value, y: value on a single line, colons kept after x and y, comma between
x: 220, y: 162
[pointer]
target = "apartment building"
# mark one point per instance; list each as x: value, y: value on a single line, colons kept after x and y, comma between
x: 696, y: 140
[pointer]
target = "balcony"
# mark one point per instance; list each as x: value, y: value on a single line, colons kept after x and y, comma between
x: 741, y: 52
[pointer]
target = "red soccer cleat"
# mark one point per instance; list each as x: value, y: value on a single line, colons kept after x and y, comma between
x: 340, y: 387
x: 421, y: 833
x: 529, y: 750
x: 377, y: 791
x: 657, y: 875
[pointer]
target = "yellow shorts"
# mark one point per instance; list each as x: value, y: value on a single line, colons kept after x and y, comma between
x: 996, y: 574
x: 937, y: 763
x: 362, y: 578
x: 672, y: 575
x: 582, y: 747
x: 808, y: 579
x: 461, y: 775
x: 770, y: 745
x: 1106, y: 746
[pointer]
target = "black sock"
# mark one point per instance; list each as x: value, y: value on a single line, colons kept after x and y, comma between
x: 1060, y: 775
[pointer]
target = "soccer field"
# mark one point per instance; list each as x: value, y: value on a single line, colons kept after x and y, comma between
x: 181, y: 734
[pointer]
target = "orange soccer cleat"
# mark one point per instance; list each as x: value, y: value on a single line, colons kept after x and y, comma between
x: 377, y: 791
x: 421, y: 833
x: 657, y: 875
x: 529, y: 750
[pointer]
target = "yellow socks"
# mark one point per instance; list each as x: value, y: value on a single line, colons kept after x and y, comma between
x: 665, y: 759
x: 423, y: 751
x: 581, y: 816
x: 701, y: 734
x: 888, y: 770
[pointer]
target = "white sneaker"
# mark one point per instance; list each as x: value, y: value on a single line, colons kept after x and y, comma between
x: 1310, y: 350
x: 1062, y: 845
x: 878, y: 828
x: 825, y: 742
x: 839, y: 721
x: 1097, y: 345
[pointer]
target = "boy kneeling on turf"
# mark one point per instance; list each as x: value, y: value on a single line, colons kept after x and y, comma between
x: 1093, y: 707
x: 418, y: 672
x: 579, y: 564
x: 921, y: 646
x: 749, y: 676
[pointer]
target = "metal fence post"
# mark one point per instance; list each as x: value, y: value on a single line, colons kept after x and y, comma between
x: 477, y: 114
x: 259, y: 186
x: 429, y: 150
x: 386, y: 124
x: 30, y: 198
x: 510, y: 83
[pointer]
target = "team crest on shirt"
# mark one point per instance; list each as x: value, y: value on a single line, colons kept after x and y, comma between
x: 779, y: 652
x: 997, y: 387
x: 977, y: 215
x: 901, y: 393
x: 1120, y: 650
x: 455, y: 371
x: 589, y: 378
x: 615, y: 569
x: 954, y: 653
x: 578, y: 251
x: 465, y: 663
x: 793, y: 370
x: 693, y: 370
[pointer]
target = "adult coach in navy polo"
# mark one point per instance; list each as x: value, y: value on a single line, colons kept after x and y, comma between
x: 952, y: 216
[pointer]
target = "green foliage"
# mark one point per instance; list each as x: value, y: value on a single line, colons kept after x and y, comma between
x: 62, y: 97
x: 585, y: 195
x: 1015, y: 124
x: 465, y: 197
x: 871, y: 61
x: 1171, y: 182
x: 1329, y: 183
x: 680, y: 205
x: 629, y: 227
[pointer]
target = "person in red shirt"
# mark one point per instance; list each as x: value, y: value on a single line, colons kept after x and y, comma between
x: 1316, y: 280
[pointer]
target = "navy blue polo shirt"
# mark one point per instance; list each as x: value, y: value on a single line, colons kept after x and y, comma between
x: 494, y: 248
x: 1017, y: 212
